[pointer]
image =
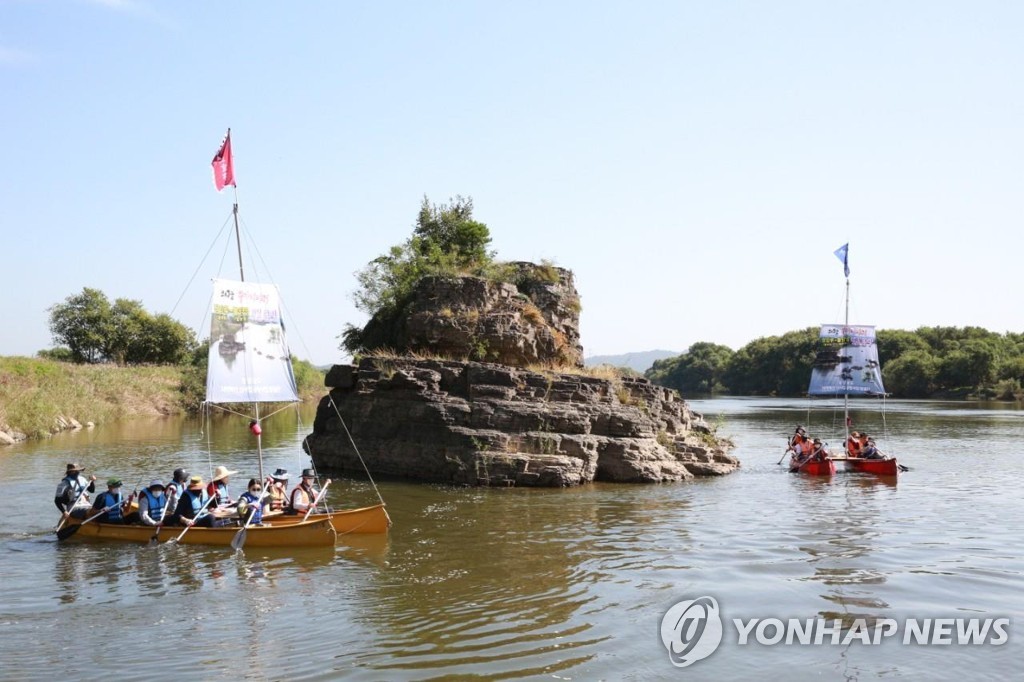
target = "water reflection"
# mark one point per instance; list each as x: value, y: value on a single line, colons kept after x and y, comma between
x: 518, y: 583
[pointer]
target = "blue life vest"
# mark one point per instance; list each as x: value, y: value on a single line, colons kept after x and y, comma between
x: 256, y: 504
x: 198, y: 500
x: 109, y: 499
x: 220, y: 489
x: 156, y: 504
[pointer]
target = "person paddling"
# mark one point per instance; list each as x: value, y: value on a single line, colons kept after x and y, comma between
x: 219, y: 487
x: 252, y: 503
x: 191, y: 507
x: 178, y: 484
x: 153, y: 503
x: 277, y: 490
x: 111, y: 503
x: 72, y: 497
x: 304, y: 494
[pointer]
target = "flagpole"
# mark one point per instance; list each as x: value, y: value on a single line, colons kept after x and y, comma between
x: 238, y: 237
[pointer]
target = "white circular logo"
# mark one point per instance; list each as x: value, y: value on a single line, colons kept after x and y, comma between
x: 691, y: 630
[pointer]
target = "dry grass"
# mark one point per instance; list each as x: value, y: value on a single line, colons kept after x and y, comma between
x: 34, y: 393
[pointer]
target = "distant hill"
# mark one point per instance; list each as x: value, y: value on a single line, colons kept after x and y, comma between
x: 640, y: 361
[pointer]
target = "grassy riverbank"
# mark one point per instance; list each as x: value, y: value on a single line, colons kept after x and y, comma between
x: 35, y: 394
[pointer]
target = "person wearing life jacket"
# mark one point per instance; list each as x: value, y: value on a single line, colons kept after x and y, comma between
x: 110, y: 503
x: 153, y: 503
x: 218, y: 487
x: 179, y: 481
x: 192, y: 509
x: 72, y: 495
x: 800, y: 445
x: 818, y: 451
x: 853, y: 445
x: 304, y: 494
x: 870, y: 451
x: 277, y: 490
x: 252, y: 503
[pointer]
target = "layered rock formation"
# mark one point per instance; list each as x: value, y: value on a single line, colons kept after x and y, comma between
x: 472, y: 423
x: 531, y: 319
x: 493, y: 414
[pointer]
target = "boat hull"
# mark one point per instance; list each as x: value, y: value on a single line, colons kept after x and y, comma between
x: 312, y: 533
x: 879, y: 467
x: 824, y: 467
x: 365, y: 520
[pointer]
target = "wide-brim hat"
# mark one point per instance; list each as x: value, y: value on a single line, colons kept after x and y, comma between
x: 280, y: 475
x: 308, y: 473
x: 156, y: 483
x: 195, y: 482
x: 222, y: 472
x: 73, y: 466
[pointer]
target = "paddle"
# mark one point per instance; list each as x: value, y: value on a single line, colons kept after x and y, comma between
x: 65, y: 533
x: 177, y: 540
x: 789, y: 449
x: 171, y: 499
x: 238, y: 541
x: 67, y: 514
x: 316, y: 501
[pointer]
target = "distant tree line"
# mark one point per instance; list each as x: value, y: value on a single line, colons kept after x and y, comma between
x: 930, y: 362
x: 88, y: 328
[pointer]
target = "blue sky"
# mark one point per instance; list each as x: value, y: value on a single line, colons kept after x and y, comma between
x: 694, y: 163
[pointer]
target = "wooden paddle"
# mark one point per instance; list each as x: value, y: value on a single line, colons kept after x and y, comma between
x: 65, y: 533
x: 316, y: 501
x: 67, y: 514
x: 171, y: 499
x: 238, y: 541
x: 177, y: 540
x: 789, y: 449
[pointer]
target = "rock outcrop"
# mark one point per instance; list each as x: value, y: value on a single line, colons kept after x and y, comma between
x: 473, y: 423
x: 531, y: 319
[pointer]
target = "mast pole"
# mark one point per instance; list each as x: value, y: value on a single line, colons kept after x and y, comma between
x: 241, y: 276
x: 259, y: 445
x: 238, y: 238
x: 846, y: 394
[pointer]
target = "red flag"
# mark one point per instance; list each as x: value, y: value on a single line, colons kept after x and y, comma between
x: 223, y: 165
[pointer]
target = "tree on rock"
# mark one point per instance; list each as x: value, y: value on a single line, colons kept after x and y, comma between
x: 446, y: 240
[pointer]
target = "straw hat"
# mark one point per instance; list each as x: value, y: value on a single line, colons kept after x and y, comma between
x: 195, y: 483
x: 222, y: 472
x: 74, y: 467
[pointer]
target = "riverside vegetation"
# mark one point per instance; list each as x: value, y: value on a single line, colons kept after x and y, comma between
x: 40, y: 396
x: 930, y: 362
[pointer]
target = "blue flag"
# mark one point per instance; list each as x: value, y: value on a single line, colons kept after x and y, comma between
x: 843, y: 254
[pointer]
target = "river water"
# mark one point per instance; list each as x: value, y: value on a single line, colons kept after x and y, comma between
x: 544, y: 584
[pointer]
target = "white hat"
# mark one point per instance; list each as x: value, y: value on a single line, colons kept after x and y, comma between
x: 222, y: 472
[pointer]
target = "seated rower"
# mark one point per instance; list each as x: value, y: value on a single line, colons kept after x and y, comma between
x: 192, y: 507
x: 110, y: 503
x: 153, y: 504
x: 818, y: 452
x: 853, y: 445
x: 252, y: 503
x: 871, y: 452
x: 799, y: 443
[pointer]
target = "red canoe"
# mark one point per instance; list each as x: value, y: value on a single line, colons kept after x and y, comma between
x: 879, y: 467
x: 824, y: 467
